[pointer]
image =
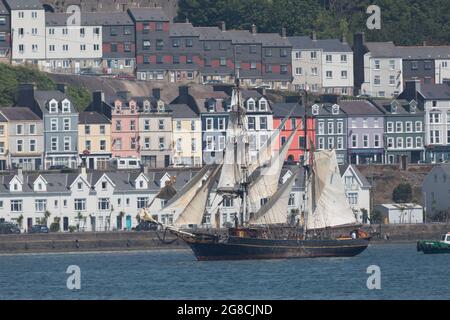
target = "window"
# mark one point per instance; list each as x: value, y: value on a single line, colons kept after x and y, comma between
x: 251, y: 123
x: 392, y: 80
x: 321, y: 128
x: 314, y: 71
x: 209, y: 143
x: 133, y: 125
x: 392, y: 64
x: 209, y: 124
x: 365, y: 141
x: 377, y: 80
x: 118, y: 144
x: 16, y: 205
x: 390, y: 142
x: 435, y: 118
x: 377, y: 64
x: 330, y: 128
x: 66, y: 123
x: 252, y: 49
x: 435, y: 137
x: 418, y: 126
x: 298, y: 55
x: 32, y: 145
x: 162, y: 143
x: 147, y: 143
x: 87, y: 145
x: 221, y: 143
x: 175, y: 43
x: 414, y: 65
x: 340, y: 143
x: 54, y: 144
x: 352, y: 198
x: 118, y: 125
x: 329, y: 74
x: 19, y: 145
x: 283, y: 52
x: 103, y: 204
x: 409, y: 142
x: 19, y: 129
x: 87, y: 130
x: 298, y: 71
x: 331, y: 143
x: 377, y: 141
x: 194, y: 144
x: 102, y: 145
x: 161, y: 124
x: 313, y: 55
x: 192, y: 125
x: 321, y: 143
x: 67, y: 143
x: 408, y: 126
x: 253, y: 65
x: 146, y: 44
x: 221, y: 124
x: 400, y: 142
x: 80, y: 204
x: 263, y: 123
x: 343, y: 58
x: 399, y: 126
x: 419, y: 142
x: 142, y: 202
x: 40, y: 205
x: 159, y: 26
x: 133, y: 144
x: 189, y: 43
x: 390, y: 127
x: 53, y: 124
x: 343, y: 74
x: 354, y: 141
x: 159, y: 44
x: 329, y: 58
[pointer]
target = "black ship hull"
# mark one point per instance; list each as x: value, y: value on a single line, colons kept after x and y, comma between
x: 235, y: 248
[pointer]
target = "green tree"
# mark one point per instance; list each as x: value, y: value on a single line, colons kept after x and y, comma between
x: 402, y: 193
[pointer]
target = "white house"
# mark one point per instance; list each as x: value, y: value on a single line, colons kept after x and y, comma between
x: 70, y: 48
x: 401, y: 213
x: 357, y: 190
x: 27, y: 31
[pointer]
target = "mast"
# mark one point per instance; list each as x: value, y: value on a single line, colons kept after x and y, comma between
x: 307, y: 165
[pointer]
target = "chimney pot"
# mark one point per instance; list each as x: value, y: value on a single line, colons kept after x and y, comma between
x: 254, y: 29
x: 313, y: 36
x: 283, y: 32
x: 223, y: 26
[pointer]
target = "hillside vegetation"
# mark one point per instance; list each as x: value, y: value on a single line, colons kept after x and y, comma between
x: 11, y: 77
x: 406, y: 22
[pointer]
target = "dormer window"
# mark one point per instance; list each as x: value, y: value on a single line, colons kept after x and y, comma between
x: 104, y: 185
x: 53, y: 107
x: 133, y: 108
x: 146, y: 106
x: 434, y: 104
x: 80, y: 186
x: 315, y: 110
x: 161, y: 106
x: 39, y: 186
x: 251, y: 105
x: 262, y: 105
x: 141, y: 184
x: 394, y: 106
x: 335, y: 109
x: 212, y: 106
x: 412, y: 106
x: 117, y: 108
x: 16, y: 187
x: 66, y: 106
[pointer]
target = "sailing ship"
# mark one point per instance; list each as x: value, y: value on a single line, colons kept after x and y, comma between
x: 261, y: 229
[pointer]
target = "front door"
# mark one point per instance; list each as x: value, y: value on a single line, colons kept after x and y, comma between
x: 91, y: 163
x: 166, y: 161
x: 93, y: 227
x: 119, y: 222
x: 29, y: 223
x: 128, y: 223
x: 65, y: 224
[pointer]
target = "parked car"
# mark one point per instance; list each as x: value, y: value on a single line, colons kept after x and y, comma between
x: 9, y: 228
x: 211, y: 82
x: 146, y: 226
x: 126, y: 163
x: 39, y: 228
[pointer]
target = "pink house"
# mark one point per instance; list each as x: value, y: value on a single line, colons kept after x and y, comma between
x: 125, y: 129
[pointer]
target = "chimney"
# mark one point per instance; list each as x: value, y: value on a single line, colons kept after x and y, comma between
x: 25, y: 94
x: 359, y: 39
x: 20, y: 173
x: 223, y: 26
x: 83, y: 172
x: 254, y: 29
x: 97, y: 99
x: 313, y: 36
x: 126, y: 95
x: 124, y: 7
x: 343, y: 38
x: 187, y: 20
x: 156, y: 92
x: 411, y: 89
x: 183, y: 94
x: 359, y: 50
x: 61, y: 87
x: 283, y: 32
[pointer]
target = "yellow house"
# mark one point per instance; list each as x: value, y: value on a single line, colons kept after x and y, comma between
x: 187, y: 136
x: 3, y: 142
x: 94, y: 140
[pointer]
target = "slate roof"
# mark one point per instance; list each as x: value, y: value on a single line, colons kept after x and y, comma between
x: 182, y: 111
x: 19, y: 114
x: 23, y: 4
x: 424, y: 52
x: 213, y: 33
x: 282, y: 109
x: 361, y: 177
x: 183, y: 30
x: 43, y: 97
x: 148, y: 14
x: 90, y: 18
x: 92, y: 117
x: 272, y: 40
x: 2, y: 118
x: 403, y: 109
x: 383, y: 49
x: 435, y: 91
x: 328, y: 45
x: 326, y: 109
x: 359, y: 107
x: 3, y: 9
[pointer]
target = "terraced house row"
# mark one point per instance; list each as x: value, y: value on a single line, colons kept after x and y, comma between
x: 45, y: 129
x: 144, y: 43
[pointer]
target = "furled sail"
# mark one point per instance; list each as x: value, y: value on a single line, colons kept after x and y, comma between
x: 266, y: 183
x: 331, y: 207
x: 182, y: 198
x: 195, y: 209
x: 275, y: 210
x: 266, y: 152
x: 231, y: 173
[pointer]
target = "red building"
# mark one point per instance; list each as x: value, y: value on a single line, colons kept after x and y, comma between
x: 294, y: 123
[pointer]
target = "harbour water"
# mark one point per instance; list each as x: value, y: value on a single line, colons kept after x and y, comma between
x: 405, y: 274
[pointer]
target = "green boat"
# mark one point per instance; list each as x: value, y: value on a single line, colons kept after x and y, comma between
x: 434, y: 247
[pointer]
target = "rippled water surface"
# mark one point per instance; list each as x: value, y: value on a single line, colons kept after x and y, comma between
x: 405, y: 274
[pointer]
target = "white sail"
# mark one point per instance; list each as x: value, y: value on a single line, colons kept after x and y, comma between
x: 195, y: 209
x: 182, y: 198
x: 275, y: 210
x: 266, y: 152
x: 231, y: 173
x: 266, y: 183
x: 331, y: 207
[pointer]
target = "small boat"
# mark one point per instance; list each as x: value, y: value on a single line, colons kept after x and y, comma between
x: 435, y: 247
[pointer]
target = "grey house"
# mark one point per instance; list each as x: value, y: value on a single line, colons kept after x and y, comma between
x: 436, y: 190
x: 60, y: 118
x: 331, y: 129
x: 404, y: 131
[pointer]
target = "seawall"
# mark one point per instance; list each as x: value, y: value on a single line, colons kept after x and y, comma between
x: 133, y: 241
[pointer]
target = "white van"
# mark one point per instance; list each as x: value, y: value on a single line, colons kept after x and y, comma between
x: 127, y: 163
